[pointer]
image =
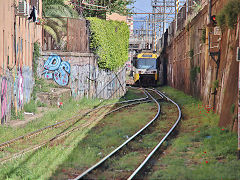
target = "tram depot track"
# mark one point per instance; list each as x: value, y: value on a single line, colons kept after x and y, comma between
x: 102, y: 166
x: 64, y: 128
x: 74, y: 124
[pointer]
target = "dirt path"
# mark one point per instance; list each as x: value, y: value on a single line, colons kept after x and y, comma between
x: 28, y: 117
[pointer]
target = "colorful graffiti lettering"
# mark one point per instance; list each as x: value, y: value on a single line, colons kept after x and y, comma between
x: 61, y: 70
x: 4, y: 100
x: 20, y: 88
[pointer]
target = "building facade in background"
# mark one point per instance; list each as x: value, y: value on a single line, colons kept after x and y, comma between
x: 17, y: 37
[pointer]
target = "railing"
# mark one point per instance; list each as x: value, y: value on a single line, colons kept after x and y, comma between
x: 116, y: 87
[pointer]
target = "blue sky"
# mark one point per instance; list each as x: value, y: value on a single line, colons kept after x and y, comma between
x: 142, y: 5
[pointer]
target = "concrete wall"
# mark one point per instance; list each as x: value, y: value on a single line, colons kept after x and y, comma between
x: 84, y: 78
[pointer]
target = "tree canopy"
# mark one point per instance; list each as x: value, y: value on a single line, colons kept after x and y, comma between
x: 54, y: 23
x: 93, y: 7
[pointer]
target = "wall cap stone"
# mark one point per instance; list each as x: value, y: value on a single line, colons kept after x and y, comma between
x: 73, y: 54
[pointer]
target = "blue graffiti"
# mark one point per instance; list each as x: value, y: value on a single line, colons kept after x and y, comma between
x: 57, y: 69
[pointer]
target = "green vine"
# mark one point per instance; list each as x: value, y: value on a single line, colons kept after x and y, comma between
x: 109, y: 41
x: 36, y: 55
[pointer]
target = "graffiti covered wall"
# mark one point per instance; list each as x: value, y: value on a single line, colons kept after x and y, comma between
x: 81, y: 75
x: 55, y: 68
x: 16, y: 88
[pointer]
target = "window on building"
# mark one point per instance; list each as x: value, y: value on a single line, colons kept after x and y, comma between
x: 35, y: 3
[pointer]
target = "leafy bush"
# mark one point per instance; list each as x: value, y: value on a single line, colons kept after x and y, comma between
x: 228, y: 15
x: 109, y: 40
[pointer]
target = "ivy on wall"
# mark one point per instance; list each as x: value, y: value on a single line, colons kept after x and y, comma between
x: 109, y: 41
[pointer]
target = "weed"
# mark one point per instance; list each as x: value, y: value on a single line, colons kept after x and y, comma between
x: 232, y: 108
x: 203, y: 37
x: 193, y: 74
x: 198, y: 69
x: 19, y: 115
x: 191, y: 53
x: 30, y: 107
x: 215, y: 84
x: 203, y: 151
x: 128, y: 162
x: 110, y: 133
x: 41, y: 104
x: 75, y: 148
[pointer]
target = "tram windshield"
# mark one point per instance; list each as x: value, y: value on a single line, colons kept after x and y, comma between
x: 146, y: 63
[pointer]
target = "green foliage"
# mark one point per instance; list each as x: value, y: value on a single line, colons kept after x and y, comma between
x: 54, y: 24
x: 229, y: 14
x: 30, y: 107
x: 198, y: 69
x: 232, y: 108
x: 41, y: 85
x: 191, y: 53
x: 193, y: 74
x: 109, y: 40
x: 221, y: 19
x: 118, y: 6
x: 203, y: 37
x: 40, y: 104
x: 49, y: 2
x: 36, y: 55
x: 215, y: 84
x: 200, y: 151
x: 18, y: 116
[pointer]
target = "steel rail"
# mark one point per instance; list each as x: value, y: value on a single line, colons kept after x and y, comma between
x: 123, y: 144
x: 31, y: 134
x: 64, y: 133
x: 139, y: 102
x: 163, y: 139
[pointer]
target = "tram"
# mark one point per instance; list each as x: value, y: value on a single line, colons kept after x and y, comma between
x: 145, y: 69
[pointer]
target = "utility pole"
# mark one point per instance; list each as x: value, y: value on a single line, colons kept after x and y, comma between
x: 164, y: 16
x: 154, y: 5
x: 238, y: 124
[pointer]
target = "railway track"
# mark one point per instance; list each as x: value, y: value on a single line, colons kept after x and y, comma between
x: 68, y: 126
x: 106, y: 165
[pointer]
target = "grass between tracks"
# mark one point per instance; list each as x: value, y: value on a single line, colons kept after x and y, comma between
x: 105, y: 137
x: 42, y: 163
x: 201, y: 150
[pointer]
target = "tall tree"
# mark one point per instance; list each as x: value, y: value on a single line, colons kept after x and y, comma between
x: 93, y: 8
